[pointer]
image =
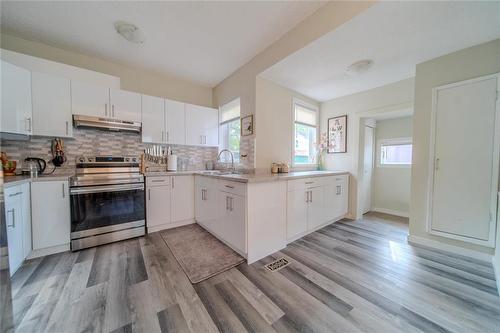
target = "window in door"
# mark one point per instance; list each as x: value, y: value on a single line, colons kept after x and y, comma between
x: 395, y: 152
x: 305, y: 133
x: 229, y: 130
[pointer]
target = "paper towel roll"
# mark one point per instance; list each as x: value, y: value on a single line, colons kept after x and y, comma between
x: 172, y: 163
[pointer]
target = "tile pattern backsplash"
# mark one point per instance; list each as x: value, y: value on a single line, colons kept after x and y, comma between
x: 91, y: 142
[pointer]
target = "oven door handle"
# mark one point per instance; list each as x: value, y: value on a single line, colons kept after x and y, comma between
x: 102, y: 189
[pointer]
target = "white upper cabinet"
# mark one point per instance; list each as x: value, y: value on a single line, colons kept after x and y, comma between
x: 202, y: 126
x: 51, y: 105
x: 176, y: 122
x: 16, y: 112
x: 125, y: 105
x: 153, y: 119
x: 90, y: 100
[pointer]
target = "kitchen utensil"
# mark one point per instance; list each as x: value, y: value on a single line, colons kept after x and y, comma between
x: 41, y: 164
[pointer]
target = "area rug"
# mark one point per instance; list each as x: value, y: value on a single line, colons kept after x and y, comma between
x: 200, y: 254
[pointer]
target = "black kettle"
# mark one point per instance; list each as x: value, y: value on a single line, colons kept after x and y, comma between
x: 41, y: 164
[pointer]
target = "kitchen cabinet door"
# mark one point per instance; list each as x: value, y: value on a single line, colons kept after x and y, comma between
x: 175, y: 116
x: 125, y: 105
x: 296, y: 207
x: 202, y: 126
x: 14, y: 223
x: 336, y: 198
x: 90, y: 100
x: 153, y: 119
x: 315, y: 208
x: 157, y: 206
x: 16, y: 112
x: 235, y: 223
x: 50, y: 212
x: 182, y: 198
x: 51, y: 105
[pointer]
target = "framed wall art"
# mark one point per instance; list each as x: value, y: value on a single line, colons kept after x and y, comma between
x: 247, y: 125
x: 337, y: 134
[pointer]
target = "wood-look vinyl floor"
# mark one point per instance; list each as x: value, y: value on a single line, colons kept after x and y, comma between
x: 347, y: 277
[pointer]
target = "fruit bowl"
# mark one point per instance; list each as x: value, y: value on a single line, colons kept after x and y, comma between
x: 9, y: 167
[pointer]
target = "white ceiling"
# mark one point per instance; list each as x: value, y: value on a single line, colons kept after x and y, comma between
x: 202, y: 41
x: 395, y: 35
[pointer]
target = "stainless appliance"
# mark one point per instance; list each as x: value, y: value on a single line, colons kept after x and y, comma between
x: 106, y: 123
x: 107, y: 201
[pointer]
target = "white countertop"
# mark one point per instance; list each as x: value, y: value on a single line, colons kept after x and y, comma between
x: 17, y: 180
x: 251, y: 178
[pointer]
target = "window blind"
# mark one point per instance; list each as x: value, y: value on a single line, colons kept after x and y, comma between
x: 305, y: 116
x: 229, y: 111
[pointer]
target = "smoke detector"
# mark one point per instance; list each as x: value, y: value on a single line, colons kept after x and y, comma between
x: 130, y: 32
x: 359, y: 66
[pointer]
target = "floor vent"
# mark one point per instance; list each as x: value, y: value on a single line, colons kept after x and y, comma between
x: 277, y: 264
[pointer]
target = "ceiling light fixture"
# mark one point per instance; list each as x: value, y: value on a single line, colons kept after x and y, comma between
x: 130, y: 32
x: 359, y: 66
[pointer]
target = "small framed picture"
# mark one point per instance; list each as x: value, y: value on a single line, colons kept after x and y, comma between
x: 247, y: 125
x: 337, y: 135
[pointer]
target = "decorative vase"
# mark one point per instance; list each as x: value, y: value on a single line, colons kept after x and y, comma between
x: 321, y: 161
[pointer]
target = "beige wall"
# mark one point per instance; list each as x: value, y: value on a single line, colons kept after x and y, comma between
x: 391, y: 185
x: 133, y: 79
x: 465, y: 64
x: 386, y: 99
x: 274, y: 120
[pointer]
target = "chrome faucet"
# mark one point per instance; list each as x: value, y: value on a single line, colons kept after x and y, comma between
x: 232, y: 157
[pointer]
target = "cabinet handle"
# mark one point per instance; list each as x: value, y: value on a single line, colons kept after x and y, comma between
x: 15, y: 194
x: 67, y: 127
x: 227, y: 202
x: 63, y: 191
x: 173, y: 182
x: 113, y: 109
x: 205, y: 139
x: 29, y: 124
x: 13, y: 225
x: 437, y: 164
x: 149, y: 194
x: 309, y: 183
x: 167, y: 137
x: 231, y: 206
x: 162, y: 136
x: 311, y: 192
x: 339, y: 190
x: 229, y: 186
x: 307, y: 196
x: 105, y: 109
x: 202, y: 194
x: 157, y: 180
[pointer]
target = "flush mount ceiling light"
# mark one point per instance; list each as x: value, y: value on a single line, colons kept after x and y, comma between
x: 130, y: 32
x: 359, y: 66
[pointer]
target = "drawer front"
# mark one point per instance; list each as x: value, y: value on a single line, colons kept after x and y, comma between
x: 13, y: 191
x: 301, y: 184
x: 157, y: 181
x: 233, y: 187
x: 332, y: 180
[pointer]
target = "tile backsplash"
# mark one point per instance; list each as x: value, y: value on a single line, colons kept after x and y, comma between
x: 91, y: 142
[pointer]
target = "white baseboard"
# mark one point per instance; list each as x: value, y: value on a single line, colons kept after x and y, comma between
x: 390, y: 211
x: 48, y: 251
x: 425, y: 242
x: 169, y: 225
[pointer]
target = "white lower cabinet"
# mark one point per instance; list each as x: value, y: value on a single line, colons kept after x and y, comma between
x: 18, y: 221
x: 50, y: 211
x: 231, y: 221
x: 182, y: 201
x: 296, y: 212
x: 158, y: 196
x: 205, y: 199
x: 312, y: 203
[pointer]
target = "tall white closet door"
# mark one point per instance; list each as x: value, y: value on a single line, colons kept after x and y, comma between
x: 465, y: 160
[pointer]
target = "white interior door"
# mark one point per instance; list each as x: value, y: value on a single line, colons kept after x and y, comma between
x: 367, y: 169
x: 465, y: 163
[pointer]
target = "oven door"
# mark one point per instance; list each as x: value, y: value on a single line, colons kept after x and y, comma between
x: 106, y: 208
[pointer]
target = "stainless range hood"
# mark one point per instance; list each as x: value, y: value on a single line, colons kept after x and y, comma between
x: 106, y: 124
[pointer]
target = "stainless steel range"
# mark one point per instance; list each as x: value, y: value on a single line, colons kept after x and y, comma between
x: 107, y: 201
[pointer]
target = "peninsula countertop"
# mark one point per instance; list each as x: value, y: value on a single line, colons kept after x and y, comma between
x: 250, y: 178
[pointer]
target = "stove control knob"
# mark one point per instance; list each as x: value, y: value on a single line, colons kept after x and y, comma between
x: 90, y: 160
x: 134, y: 159
x: 127, y: 159
x: 81, y: 160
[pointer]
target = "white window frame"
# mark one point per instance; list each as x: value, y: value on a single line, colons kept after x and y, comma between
x: 236, y: 100
x: 315, y: 108
x: 392, y: 141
